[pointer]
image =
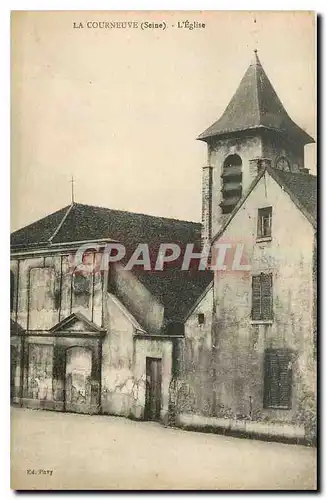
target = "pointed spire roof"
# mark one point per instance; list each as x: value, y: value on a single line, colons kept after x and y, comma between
x: 255, y: 104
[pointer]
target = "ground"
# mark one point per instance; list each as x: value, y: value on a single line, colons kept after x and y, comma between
x: 101, y: 452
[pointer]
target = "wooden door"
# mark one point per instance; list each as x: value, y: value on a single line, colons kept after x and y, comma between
x: 153, y: 389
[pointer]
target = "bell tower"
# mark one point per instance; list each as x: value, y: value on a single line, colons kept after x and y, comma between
x: 254, y: 131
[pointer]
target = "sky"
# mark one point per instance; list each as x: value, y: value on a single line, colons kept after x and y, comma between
x: 120, y: 109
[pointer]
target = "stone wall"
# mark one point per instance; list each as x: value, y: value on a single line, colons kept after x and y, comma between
x: 137, y: 299
x: 195, y: 381
x: 241, y: 342
x: 274, y: 146
x: 44, y: 293
x: 206, y: 232
x: 247, y: 147
x: 124, y: 353
x: 223, y: 374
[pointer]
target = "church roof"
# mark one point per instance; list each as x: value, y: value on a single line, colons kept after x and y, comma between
x: 177, y: 290
x: 255, y: 104
x: 79, y: 222
x: 302, y: 189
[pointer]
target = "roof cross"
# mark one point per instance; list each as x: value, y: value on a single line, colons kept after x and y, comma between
x: 255, y: 33
x: 72, y: 183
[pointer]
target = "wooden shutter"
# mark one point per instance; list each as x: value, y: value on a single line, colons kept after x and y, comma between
x: 285, y: 378
x: 266, y: 296
x: 271, y: 379
x: 256, y: 297
x: 278, y: 379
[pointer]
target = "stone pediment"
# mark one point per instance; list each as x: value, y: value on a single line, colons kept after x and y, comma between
x: 15, y: 328
x: 77, y: 323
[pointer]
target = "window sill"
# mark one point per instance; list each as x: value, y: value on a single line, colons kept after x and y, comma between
x: 261, y: 322
x: 277, y: 408
x: 263, y: 239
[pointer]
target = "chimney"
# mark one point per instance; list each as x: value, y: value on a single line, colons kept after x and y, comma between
x: 257, y: 165
x: 206, y: 231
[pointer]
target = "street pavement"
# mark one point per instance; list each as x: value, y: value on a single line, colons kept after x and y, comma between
x: 51, y: 450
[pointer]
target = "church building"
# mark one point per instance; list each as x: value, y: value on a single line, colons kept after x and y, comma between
x: 224, y: 348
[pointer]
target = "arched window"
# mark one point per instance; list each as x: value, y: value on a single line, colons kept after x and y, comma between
x: 231, y: 183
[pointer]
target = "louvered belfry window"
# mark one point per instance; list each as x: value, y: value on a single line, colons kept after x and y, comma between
x: 278, y: 379
x: 262, y: 299
x: 231, y: 183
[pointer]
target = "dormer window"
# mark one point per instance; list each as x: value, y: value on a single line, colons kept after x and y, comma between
x: 231, y: 183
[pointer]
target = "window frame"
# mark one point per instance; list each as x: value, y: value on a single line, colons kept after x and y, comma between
x: 281, y: 355
x: 202, y: 316
x: 232, y: 183
x: 263, y: 214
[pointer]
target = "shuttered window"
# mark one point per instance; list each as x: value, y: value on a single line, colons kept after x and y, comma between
x: 262, y: 303
x: 278, y: 379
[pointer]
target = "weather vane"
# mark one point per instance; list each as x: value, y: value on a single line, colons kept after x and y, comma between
x: 255, y: 33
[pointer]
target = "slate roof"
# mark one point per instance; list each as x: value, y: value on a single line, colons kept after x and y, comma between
x: 255, y: 104
x: 38, y: 232
x: 177, y: 290
x: 80, y: 222
x: 302, y: 186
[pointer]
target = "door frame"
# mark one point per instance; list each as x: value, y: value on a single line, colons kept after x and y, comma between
x: 76, y: 407
x: 149, y: 393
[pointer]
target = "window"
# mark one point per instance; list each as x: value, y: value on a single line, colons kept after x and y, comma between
x: 262, y: 303
x: 81, y: 283
x: 42, y: 285
x: 57, y: 299
x: 40, y: 371
x: 278, y: 379
x: 264, y: 222
x: 200, y: 318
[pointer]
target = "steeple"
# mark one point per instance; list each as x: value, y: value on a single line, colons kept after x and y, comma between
x: 255, y: 105
x: 253, y: 131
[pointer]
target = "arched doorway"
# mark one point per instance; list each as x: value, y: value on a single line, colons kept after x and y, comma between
x: 78, y: 379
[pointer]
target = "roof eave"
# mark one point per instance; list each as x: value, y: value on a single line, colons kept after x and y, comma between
x: 206, y: 136
x: 293, y: 197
